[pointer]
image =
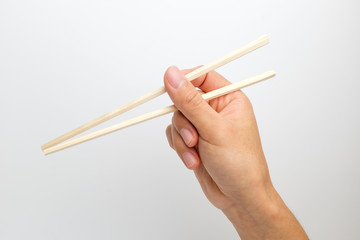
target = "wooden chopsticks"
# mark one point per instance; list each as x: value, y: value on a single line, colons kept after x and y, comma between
x: 59, y: 144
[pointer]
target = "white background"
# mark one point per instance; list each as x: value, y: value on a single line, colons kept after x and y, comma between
x: 63, y: 63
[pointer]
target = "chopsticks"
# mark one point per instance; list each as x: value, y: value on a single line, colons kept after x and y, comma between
x: 207, y: 96
x: 57, y: 144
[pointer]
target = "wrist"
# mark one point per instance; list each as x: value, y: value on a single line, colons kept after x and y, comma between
x: 266, y: 217
x: 251, y: 217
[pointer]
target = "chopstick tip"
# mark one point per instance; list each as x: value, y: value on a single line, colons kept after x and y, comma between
x: 46, y: 152
x: 265, y: 38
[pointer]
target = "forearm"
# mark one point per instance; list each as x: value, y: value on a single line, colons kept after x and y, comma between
x: 268, y: 218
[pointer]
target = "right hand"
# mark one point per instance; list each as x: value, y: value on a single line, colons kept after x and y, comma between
x: 220, y: 141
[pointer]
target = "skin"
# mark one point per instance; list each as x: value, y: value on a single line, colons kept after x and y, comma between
x: 219, y: 140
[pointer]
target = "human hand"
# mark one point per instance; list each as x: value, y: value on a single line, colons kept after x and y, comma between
x: 219, y: 140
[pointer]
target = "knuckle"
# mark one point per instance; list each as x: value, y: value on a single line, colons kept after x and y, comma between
x: 169, y: 137
x: 168, y: 130
x: 179, y: 120
x: 242, y: 99
x: 177, y: 144
x: 176, y: 116
x: 193, y: 98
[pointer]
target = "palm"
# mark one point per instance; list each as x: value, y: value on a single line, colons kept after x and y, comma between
x: 229, y: 108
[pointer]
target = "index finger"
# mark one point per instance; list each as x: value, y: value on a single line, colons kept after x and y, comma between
x: 209, y: 81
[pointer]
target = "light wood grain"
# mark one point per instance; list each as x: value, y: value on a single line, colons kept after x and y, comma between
x: 263, y: 40
x: 207, y: 96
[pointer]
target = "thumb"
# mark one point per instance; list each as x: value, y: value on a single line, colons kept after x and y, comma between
x: 190, y: 102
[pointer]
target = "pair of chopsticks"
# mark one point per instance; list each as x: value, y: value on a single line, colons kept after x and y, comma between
x: 60, y: 144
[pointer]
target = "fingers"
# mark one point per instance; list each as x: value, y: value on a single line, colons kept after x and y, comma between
x: 188, y: 155
x: 186, y: 130
x: 189, y: 101
x: 182, y: 137
x: 208, y: 82
x: 169, y: 136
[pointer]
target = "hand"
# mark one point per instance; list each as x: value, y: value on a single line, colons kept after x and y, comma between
x: 219, y: 140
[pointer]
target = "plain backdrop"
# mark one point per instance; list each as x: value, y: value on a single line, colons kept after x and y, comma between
x: 63, y: 63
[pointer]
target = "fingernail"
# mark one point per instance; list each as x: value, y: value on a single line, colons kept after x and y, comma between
x: 186, y: 136
x: 189, y: 159
x: 175, y: 77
